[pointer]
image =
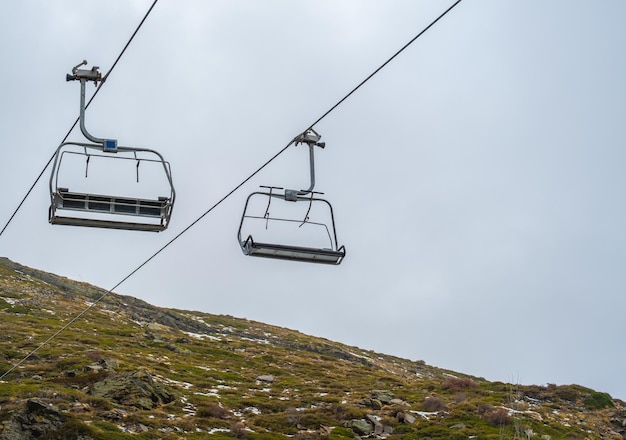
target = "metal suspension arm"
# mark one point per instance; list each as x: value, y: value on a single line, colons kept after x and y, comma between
x: 82, y: 75
x: 312, y: 172
x: 311, y: 138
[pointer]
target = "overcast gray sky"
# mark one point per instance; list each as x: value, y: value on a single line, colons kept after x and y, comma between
x: 477, y: 180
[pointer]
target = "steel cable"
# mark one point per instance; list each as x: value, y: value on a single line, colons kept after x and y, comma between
x: 237, y: 187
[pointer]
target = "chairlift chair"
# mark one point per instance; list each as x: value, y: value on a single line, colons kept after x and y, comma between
x: 328, y: 253
x: 99, y: 209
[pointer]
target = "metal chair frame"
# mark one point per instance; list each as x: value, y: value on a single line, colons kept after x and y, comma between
x: 332, y: 255
x: 159, y: 210
x: 155, y: 214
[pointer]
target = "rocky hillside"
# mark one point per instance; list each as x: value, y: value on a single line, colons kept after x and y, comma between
x: 129, y: 370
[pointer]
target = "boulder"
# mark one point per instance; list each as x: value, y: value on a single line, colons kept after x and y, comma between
x: 136, y: 389
x: 406, y: 417
x: 37, y: 419
x: 268, y: 378
x: 375, y: 404
x: 325, y: 430
x: 385, y: 396
x: 109, y: 363
x: 79, y: 407
x: 399, y: 402
x: 375, y: 421
x: 360, y: 426
x: 93, y: 368
x: 387, y: 430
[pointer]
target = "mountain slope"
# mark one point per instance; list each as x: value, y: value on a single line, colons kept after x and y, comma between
x: 126, y: 369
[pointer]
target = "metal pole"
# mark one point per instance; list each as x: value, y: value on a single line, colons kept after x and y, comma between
x: 312, y: 168
x: 82, y: 115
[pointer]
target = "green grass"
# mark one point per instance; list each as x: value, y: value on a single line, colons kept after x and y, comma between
x: 316, y: 382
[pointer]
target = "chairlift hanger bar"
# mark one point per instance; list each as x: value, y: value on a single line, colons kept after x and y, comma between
x: 312, y: 139
x: 84, y: 75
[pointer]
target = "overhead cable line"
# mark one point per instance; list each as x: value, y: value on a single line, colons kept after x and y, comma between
x: 384, y: 64
x: 282, y: 150
x: 231, y: 192
x: 104, y: 78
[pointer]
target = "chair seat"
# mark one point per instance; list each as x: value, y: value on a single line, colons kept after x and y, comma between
x: 157, y: 210
x: 111, y: 204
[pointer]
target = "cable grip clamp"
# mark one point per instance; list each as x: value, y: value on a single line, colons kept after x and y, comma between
x: 83, y: 74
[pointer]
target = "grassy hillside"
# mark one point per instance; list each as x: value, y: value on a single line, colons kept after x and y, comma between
x: 129, y: 370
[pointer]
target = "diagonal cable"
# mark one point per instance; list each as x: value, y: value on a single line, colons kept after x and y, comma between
x: 384, y: 64
x: 92, y: 305
x: 231, y: 192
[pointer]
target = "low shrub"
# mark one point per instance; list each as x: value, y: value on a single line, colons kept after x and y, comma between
x: 598, y: 400
x: 339, y: 433
x: 72, y: 428
x: 484, y: 408
x: 433, y: 404
x: 238, y: 429
x: 213, y: 410
x: 498, y: 417
x: 456, y: 384
x: 345, y: 412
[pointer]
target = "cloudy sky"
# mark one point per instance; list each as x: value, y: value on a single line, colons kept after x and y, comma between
x: 477, y: 181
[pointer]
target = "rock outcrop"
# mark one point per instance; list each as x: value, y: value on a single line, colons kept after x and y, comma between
x: 36, y: 419
x: 137, y: 389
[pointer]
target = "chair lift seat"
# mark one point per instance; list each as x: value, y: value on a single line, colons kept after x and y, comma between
x: 64, y: 199
x: 294, y: 253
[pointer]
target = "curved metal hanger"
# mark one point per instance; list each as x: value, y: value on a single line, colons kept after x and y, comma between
x: 83, y: 75
x: 311, y: 138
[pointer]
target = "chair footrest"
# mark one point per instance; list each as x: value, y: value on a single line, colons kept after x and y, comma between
x: 296, y: 253
x: 98, y: 223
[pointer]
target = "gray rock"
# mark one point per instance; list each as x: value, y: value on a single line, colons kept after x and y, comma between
x: 375, y: 421
x: 35, y: 420
x: 93, y: 368
x: 405, y: 417
x: 375, y: 404
x: 108, y: 363
x: 115, y: 415
x: 399, y: 402
x: 135, y: 389
x: 177, y: 349
x: 379, y: 429
x: 361, y: 427
x: 385, y: 396
x: 325, y: 430
x: 268, y: 378
x: 79, y: 407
